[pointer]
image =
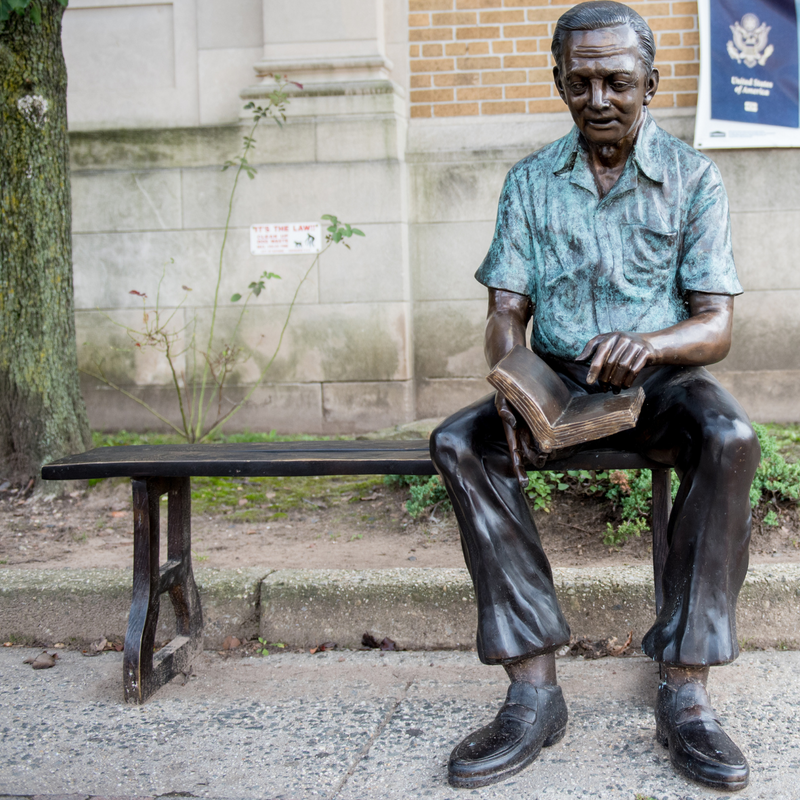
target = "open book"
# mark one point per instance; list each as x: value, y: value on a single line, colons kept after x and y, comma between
x: 555, y: 417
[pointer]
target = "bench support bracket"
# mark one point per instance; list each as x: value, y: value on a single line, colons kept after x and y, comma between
x: 145, y: 672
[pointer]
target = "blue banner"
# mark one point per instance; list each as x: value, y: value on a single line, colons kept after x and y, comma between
x: 754, y: 62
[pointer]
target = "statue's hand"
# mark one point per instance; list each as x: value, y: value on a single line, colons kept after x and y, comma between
x: 618, y: 358
x: 519, y: 439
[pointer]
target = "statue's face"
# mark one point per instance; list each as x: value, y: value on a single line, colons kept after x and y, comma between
x: 603, y: 82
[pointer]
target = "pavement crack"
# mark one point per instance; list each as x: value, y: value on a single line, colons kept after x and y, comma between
x: 362, y: 753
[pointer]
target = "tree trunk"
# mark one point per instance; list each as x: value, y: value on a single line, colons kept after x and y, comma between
x: 42, y: 414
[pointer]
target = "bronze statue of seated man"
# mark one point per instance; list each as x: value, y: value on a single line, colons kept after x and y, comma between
x: 615, y: 240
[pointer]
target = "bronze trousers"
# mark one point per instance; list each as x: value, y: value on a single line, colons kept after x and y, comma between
x: 688, y: 421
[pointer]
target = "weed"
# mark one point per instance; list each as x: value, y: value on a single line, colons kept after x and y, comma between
x: 265, y: 645
x: 356, y: 536
x: 771, y: 519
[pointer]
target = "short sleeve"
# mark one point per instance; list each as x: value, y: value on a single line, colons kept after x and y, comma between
x: 706, y: 254
x: 509, y: 263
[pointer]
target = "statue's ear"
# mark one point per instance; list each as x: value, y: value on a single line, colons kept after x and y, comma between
x: 559, y: 83
x: 651, y: 86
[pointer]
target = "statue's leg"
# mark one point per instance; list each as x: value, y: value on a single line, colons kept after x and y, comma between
x: 716, y: 454
x: 520, y: 624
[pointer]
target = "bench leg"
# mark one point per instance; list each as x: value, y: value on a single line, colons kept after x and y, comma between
x: 144, y: 672
x: 662, y: 505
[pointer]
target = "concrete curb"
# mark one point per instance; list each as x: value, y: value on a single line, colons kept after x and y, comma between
x: 417, y: 608
x: 80, y: 605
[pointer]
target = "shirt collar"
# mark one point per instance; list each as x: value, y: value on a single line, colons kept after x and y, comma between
x: 646, y: 151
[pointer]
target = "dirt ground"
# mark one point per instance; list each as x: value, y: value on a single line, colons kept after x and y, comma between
x: 368, y: 529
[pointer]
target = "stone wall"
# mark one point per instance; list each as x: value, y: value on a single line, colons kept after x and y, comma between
x: 391, y: 330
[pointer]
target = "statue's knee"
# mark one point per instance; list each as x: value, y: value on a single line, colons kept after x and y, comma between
x: 734, y: 444
x: 447, y: 447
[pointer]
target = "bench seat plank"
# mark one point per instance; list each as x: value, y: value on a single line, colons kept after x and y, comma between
x: 287, y: 459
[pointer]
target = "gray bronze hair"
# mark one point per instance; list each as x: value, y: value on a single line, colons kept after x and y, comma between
x: 604, y: 14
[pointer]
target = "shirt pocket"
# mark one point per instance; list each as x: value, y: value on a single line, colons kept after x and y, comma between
x: 650, y: 255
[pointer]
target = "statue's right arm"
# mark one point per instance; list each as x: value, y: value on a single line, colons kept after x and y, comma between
x: 506, y: 323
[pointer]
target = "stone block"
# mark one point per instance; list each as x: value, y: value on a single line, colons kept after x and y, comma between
x: 459, y: 191
x: 106, y: 345
x: 131, y: 66
x: 766, y: 328
x: 129, y: 201
x: 448, y: 337
x: 364, y: 139
x: 109, y: 265
x: 375, y: 269
x: 356, y: 192
x: 366, y: 406
x: 326, y: 342
x: 284, y: 407
x: 301, y: 21
x: 132, y: 47
x: 766, y: 395
x: 441, y: 397
x: 765, y: 244
x: 758, y: 183
x: 220, y: 25
x: 159, y: 148
x: 444, y: 258
x: 221, y: 74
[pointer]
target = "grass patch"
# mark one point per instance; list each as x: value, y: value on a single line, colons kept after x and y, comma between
x: 273, y: 498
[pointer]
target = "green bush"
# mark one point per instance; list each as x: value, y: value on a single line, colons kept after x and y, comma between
x: 628, y: 491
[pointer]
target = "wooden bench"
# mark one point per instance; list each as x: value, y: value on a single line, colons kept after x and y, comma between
x: 156, y: 470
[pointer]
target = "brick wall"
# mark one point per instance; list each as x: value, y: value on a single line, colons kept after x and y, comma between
x: 493, y: 56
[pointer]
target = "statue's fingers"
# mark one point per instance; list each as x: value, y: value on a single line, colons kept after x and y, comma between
x: 589, y: 349
x: 599, y: 360
x: 638, y: 365
x: 611, y: 369
x: 621, y: 373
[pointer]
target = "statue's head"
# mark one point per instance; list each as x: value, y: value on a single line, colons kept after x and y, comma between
x: 604, y: 54
x: 603, y: 14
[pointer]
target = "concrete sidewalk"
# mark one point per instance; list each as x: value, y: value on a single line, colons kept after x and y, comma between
x: 351, y: 725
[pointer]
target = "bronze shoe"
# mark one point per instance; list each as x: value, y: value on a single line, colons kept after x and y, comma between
x: 698, y: 747
x: 531, y: 718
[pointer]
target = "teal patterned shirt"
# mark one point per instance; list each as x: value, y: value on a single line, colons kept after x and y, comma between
x: 625, y: 262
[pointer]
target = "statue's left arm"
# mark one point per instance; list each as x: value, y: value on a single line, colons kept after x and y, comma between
x: 704, y: 338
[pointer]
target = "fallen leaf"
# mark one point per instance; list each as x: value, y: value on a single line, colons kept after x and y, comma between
x: 8, y: 644
x: 321, y: 648
x: 243, y: 501
x: 370, y: 497
x: 230, y: 643
x: 388, y: 644
x: 44, y: 660
x: 118, y: 646
x: 118, y: 514
x: 97, y: 647
x: 59, y: 645
x: 250, y: 533
x: 368, y: 640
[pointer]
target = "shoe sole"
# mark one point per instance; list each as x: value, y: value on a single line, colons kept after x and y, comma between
x: 487, y: 780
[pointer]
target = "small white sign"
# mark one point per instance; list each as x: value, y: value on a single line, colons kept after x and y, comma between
x: 285, y: 238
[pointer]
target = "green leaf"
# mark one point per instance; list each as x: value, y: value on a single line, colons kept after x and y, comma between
x: 235, y: 298
x: 19, y: 5
x: 36, y: 13
x: 357, y: 232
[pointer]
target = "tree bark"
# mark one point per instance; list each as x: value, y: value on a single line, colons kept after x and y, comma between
x: 42, y: 414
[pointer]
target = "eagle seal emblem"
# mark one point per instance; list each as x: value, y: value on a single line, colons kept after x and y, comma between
x: 749, y: 45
